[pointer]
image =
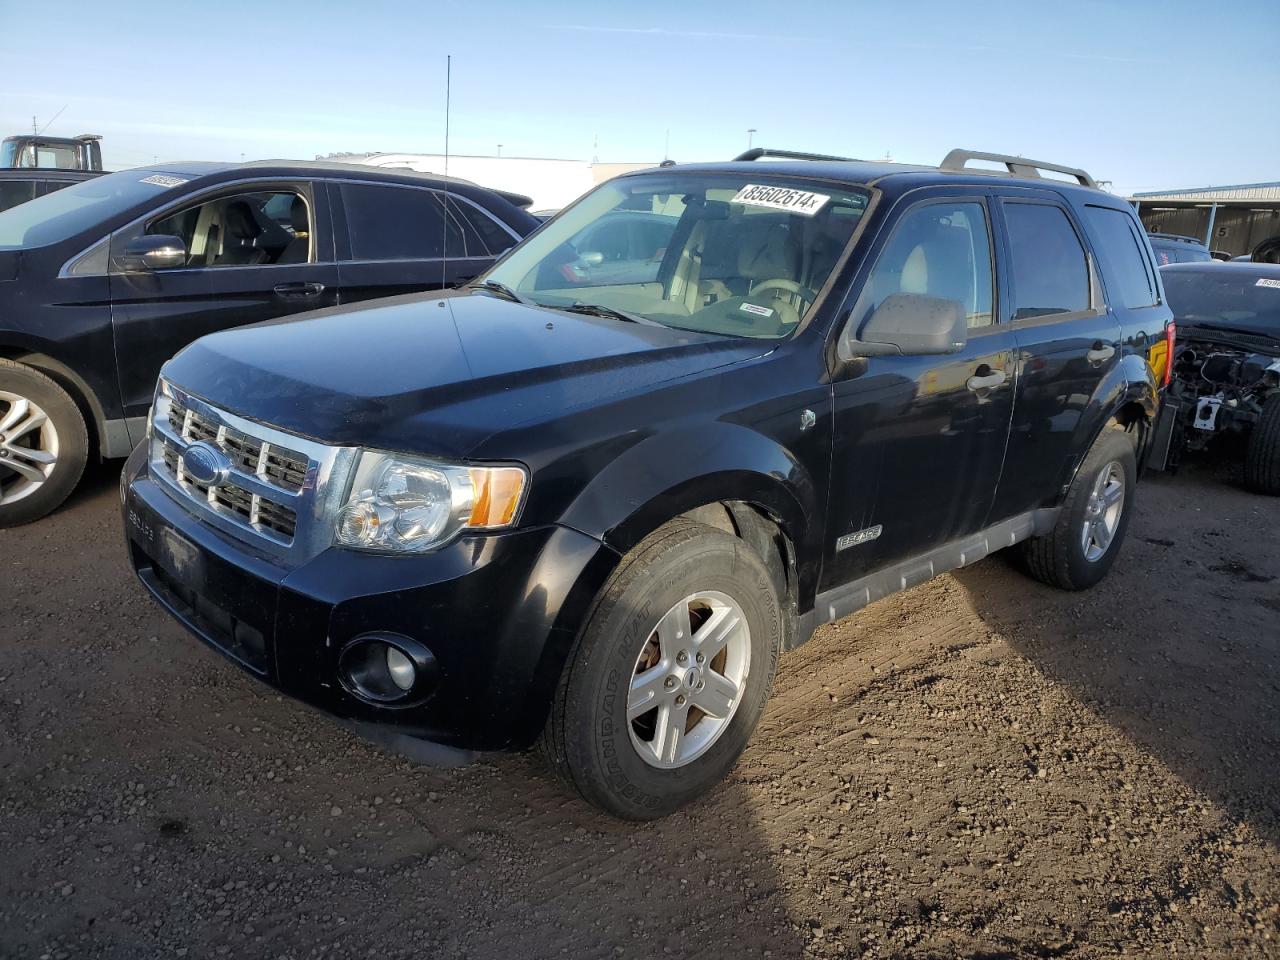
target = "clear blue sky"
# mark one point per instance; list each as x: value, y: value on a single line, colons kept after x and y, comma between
x: 1146, y: 94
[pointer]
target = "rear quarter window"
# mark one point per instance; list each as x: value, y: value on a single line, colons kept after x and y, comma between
x: 1125, y: 266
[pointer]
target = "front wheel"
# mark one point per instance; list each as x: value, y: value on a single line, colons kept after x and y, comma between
x: 1262, y: 457
x: 670, y: 674
x: 1082, y: 546
x: 43, y: 444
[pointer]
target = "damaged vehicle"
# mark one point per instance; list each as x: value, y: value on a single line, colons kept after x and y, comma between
x: 1225, y: 378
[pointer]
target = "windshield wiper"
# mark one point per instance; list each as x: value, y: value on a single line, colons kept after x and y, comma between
x: 600, y: 310
x: 501, y: 289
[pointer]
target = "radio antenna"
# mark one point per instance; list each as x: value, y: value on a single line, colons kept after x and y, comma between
x: 444, y: 219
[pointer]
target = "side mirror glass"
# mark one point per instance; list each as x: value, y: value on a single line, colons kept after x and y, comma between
x: 908, y: 324
x: 155, y: 252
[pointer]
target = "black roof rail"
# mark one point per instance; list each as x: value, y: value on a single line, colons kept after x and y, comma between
x: 1178, y: 237
x: 1016, y: 166
x: 758, y: 152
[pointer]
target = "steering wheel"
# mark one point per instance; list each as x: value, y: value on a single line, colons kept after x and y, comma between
x: 789, y: 286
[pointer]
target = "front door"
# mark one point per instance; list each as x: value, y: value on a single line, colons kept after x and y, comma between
x: 254, y: 252
x: 919, y: 441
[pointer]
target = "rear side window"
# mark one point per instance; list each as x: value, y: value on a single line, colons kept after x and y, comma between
x: 393, y: 223
x: 14, y: 192
x: 1050, y: 269
x: 1125, y: 264
x: 477, y: 232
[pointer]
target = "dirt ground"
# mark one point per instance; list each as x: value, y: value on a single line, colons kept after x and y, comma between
x: 982, y: 767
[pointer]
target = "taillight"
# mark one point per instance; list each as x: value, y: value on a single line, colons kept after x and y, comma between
x: 1170, y: 338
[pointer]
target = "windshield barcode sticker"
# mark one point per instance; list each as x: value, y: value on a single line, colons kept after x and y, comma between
x: 1267, y: 282
x: 160, y: 180
x: 781, y: 198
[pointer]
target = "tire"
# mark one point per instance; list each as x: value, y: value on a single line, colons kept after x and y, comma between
x: 1262, y: 457
x: 588, y: 740
x: 41, y: 433
x: 1063, y: 557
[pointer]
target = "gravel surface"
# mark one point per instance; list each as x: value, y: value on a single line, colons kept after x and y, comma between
x: 981, y: 767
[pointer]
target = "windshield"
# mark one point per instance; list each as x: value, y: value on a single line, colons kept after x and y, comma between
x: 57, y: 216
x: 728, y: 254
x: 1225, y: 297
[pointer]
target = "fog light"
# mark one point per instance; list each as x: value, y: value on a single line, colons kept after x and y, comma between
x: 401, y: 669
x: 388, y: 669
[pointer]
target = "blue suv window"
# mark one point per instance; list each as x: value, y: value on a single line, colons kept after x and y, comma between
x: 1050, y: 269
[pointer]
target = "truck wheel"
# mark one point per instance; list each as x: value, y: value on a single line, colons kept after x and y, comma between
x: 669, y: 675
x: 43, y: 444
x: 1083, y: 544
x: 1262, y: 458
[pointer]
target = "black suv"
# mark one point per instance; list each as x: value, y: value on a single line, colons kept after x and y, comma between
x: 595, y: 514
x: 104, y: 281
x: 1175, y: 248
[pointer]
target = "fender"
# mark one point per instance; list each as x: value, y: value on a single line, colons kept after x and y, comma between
x: 670, y: 473
x: 1131, y: 383
x: 109, y: 431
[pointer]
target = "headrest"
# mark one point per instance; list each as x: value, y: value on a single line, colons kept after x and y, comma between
x: 298, y: 216
x: 239, y: 220
x: 767, y: 253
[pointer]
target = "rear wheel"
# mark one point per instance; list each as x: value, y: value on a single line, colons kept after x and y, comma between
x: 43, y: 444
x: 1082, y: 546
x: 1262, y: 457
x: 670, y: 674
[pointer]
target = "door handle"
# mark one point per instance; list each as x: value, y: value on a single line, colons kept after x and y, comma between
x: 301, y: 290
x: 985, y: 381
x: 1100, y: 353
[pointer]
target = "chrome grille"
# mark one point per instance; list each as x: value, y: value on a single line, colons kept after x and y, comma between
x: 280, y: 491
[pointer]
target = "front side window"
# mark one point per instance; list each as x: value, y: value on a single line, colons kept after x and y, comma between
x: 1124, y: 260
x: 938, y: 250
x: 1050, y: 269
x: 731, y: 254
x: 241, y: 230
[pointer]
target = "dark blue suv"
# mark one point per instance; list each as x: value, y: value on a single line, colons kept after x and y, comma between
x: 591, y: 509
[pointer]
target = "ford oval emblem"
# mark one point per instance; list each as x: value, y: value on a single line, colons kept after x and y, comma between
x: 205, y: 464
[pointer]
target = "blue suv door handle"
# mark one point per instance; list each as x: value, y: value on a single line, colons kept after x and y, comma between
x: 301, y: 290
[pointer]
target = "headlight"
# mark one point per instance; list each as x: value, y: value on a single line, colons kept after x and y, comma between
x: 403, y: 505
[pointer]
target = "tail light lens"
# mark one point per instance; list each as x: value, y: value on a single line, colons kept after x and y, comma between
x: 1170, y: 338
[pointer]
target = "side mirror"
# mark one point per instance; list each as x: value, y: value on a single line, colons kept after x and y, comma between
x: 909, y: 324
x: 151, y: 252
x: 592, y: 258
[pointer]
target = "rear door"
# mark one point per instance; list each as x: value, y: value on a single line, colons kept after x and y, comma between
x: 919, y: 440
x: 256, y: 250
x: 1067, y: 341
x: 398, y: 238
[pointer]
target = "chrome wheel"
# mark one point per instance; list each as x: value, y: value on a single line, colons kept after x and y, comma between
x: 1102, y: 512
x: 28, y: 447
x: 688, y: 679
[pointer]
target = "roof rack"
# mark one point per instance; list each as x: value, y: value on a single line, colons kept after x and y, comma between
x: 1016, y: 166
x: 1180, y: 238
x: 759, y: 152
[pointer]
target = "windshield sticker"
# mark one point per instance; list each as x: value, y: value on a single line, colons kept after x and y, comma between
x: 1267, y: 282
x: 161, y: 180
x: 781, y: 198
x: 758, y: 311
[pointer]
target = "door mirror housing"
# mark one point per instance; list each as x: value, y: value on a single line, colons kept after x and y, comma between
x: 155, y: 252
x: 908, y: 324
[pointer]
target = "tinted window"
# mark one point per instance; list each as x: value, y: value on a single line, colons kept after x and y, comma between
x: 395, y: 223
x: 478, y: 233
x: 1050, y: 270
x: 14, y: 192
x: 1193, y: 255
x: 939, y: 250
x: 1124, y: 262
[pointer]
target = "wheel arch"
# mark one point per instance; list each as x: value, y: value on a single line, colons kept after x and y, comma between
x: 36, y: 356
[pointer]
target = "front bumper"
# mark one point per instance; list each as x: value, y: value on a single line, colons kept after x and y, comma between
x: 499, y: 613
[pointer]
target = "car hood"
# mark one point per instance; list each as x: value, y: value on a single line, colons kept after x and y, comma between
x: 436, y: 374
